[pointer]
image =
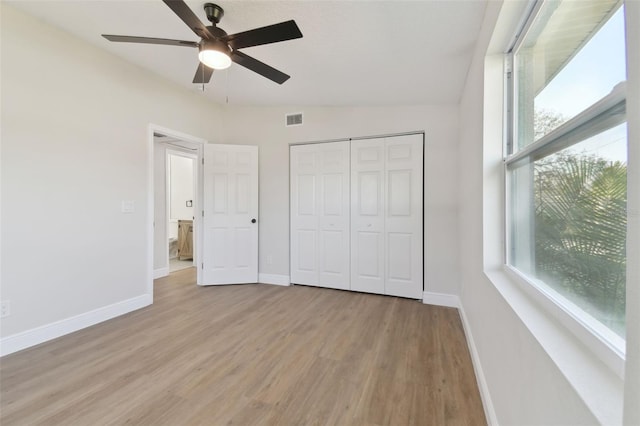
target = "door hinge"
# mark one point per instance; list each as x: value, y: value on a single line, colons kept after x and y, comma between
x: 202, y: 213
x: 202, y: 265
x: 203, y: 161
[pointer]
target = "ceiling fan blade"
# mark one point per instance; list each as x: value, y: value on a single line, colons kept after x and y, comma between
x: 203, y: 74
x: 270, y: 34
x: 259, y: 67
x: 181, y: 9
x: 150, y: 40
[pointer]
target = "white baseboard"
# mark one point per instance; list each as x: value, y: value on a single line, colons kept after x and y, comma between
x: 489, y: 410
x: 160, y: 272
x: 453, y: 301
x: 274, y: 279
x: 440, y: 299
x: 17, y: 342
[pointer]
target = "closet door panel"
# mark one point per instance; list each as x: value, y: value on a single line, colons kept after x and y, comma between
x: 369, y: 264
x: 399, y: 260
x: 367, y: 215
x: 403, y: 216
x: 304, y: 215
x: 306, y: 193
x: 320, y: 214
x: 333, y: 221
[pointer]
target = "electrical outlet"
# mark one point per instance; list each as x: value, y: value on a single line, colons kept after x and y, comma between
x: 269, y: 260
x: 5, y: 308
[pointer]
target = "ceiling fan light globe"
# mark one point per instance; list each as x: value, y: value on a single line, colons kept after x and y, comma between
x: 215, y: 54
x: 214, y: 59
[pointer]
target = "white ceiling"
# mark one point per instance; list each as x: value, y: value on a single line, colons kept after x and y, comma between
x: 352, y: 53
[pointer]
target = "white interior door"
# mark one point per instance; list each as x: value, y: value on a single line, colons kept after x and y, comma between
x: 367, y: 215
x: 230, y: 213
x: 333, y: 221
x: 320, y: 214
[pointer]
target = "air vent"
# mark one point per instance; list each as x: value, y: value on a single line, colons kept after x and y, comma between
x: 294, y: 119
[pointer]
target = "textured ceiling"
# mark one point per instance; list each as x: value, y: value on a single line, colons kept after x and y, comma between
x: 352, y: 52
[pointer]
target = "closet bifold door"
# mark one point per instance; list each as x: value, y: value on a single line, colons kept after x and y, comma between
x: 403, y: 216
x: 367, y: 215
x: 320, y: 214
x: 386, y: 215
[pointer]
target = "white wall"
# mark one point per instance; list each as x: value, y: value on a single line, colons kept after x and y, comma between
x: 632, y: 370
x: 264, y: 126
x: 524, y: 384
x: 75, y: 123
x: 181, y: 187
x: 536, y: 372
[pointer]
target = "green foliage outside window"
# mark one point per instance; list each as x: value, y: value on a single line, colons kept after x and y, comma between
x: 580, y: 232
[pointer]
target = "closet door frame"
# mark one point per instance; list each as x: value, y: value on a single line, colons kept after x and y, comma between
x: 417, y: 244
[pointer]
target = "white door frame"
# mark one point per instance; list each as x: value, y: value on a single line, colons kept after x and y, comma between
x: 154, y: 128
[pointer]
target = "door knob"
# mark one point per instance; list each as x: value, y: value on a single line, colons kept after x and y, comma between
x: 253, y: 221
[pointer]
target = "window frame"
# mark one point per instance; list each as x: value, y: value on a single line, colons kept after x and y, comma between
x: 605, y: 114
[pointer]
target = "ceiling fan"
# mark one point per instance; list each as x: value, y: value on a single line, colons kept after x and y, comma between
x: 217, y: 49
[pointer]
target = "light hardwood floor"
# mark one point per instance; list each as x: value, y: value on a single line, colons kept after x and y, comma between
x: 250, y: 355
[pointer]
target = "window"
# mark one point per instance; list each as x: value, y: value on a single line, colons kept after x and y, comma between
x: 566, y: 160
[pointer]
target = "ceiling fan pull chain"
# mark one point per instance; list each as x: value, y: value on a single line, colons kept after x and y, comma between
x: 202, y: 79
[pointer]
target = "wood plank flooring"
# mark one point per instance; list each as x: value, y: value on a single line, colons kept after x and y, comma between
x: 250, y: 355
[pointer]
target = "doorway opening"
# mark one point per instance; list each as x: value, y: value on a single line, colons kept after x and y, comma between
x: 225, y: 223
x: 176, y: 198
x: 181, y: 190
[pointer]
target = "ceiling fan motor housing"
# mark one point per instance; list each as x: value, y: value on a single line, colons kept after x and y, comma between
x: 214, y: 12
x: 217, y: 32
x: 218, y: 45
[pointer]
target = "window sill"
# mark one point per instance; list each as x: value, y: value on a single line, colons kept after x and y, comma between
x: 598, y: 384
x: 604, y: 343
